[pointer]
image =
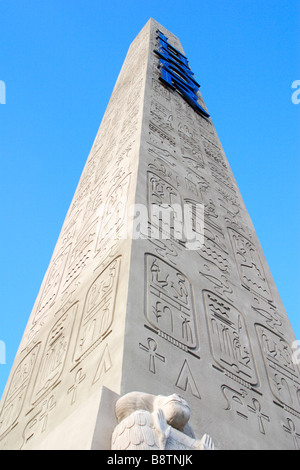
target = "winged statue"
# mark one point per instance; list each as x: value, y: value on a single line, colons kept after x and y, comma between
x: 155, y: 422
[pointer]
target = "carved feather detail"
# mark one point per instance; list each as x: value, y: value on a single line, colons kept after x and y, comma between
x: 136, y: 432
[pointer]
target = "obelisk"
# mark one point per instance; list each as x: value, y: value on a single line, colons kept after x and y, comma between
x: 157, y: 284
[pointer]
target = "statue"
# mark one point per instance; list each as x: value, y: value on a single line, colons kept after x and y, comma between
x: 155, y: 422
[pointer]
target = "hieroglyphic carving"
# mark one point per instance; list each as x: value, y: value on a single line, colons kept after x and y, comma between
x: 161, y: 167
x: 104, y: 365
x: 52, y: 283
x: 293, y: 431
x: 213, y: 152
x: 195, y: 184
x: 158, y: 137
x: 162, y: 192
x: 241, y: 404
x: 249, y: 265
x: 166, y: 249
x: 157, y: 151
x: 235, y: 401
x: 270, y: 314
x: 183, y: 110
x: 37, y: 425
x: 215, y: 236
x: 170, y: 304
x: 79, y: 378
x: 161, y: 115
x: 164, y: 206
x: 16, y: 394
x: 98, y: 311
x: 206, y: 128
x: 211, y: 214
x: 230, y: 343
x: 194, y: 224
x: 256, y: 408
x: 214, y: 249
x: 192, y: 155
x: 222, y: 178
x: 220, y: 283
x: 153, y: 355
x: 54, y: 354
x: 214, y: 256
x: 228, y: 198
x: 112, y: 225
x: 122, y: 164
x: 81, y: 254
x: 283, y: 374
x: 186, y: 132
x: 234, y: 221
x: 130, y: 118
x: 187, y: 381
x: 80, y: 197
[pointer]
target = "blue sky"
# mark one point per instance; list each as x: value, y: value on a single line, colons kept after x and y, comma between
x: 59, y: 60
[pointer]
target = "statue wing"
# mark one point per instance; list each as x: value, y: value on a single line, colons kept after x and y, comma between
x: 136, y: 432
x: 206, y: 443
x: 177, y: 440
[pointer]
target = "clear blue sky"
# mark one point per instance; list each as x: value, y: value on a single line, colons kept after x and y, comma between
x: 60, y: 59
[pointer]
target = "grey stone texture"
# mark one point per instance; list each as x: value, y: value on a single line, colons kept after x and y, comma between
x: 116, y: 315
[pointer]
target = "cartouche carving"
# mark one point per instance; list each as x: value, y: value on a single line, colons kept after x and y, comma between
x: 170, y: 303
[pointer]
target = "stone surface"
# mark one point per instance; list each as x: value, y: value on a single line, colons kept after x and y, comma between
x: 89, y: 427
x: 150, y: 314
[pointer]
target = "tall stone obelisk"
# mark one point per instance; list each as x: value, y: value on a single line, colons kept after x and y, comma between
x: 130, y: 302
